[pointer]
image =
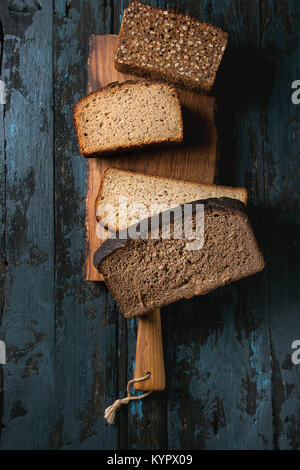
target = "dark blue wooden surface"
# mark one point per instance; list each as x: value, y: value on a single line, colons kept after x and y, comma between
x: 231, y: 383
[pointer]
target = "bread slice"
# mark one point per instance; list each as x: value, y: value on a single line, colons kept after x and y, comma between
x: 123, y: 116
x: 139, y: 188
x: 162, y: 44
x: 147, y: 273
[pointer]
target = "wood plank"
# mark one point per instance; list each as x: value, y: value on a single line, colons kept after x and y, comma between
x: 193, y: 161
x: 2, y: 229
x: 281, y: 138
x: 86, y: 323
x: 149, y: 355
x: 27, y: 323
x: 147, y: 418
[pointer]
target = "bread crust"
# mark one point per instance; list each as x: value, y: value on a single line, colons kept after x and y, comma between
x: 162, y: 178
x: 156, y: 73
x: 112, y: 244
x: 227, y: 204
x: 111, y: 86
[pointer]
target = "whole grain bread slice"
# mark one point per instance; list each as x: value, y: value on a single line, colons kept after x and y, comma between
x: 163, y: 44
x: 125, y: 196
x: 128, y: 115
x: 151, y: 271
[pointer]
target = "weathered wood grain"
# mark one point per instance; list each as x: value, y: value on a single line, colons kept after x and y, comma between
x: 149, y: 355
x: 2, y: 226
x: 28, y: 313
x: 86, y: 327
x: 231, y: 382
x: 266, y: 141
x: 281, y: 143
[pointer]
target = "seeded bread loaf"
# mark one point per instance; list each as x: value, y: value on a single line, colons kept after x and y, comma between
x: 147, y: 273
x: 151, y: 191
x: 162, y: 44
x: 123, y: 116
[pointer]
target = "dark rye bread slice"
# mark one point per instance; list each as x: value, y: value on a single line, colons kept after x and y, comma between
x: 143, y: 273
x: 163, y: 44
x: 128, y: 115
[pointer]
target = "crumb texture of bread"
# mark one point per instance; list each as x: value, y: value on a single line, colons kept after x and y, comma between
x: 144, y: 274
x: 155, y: 193
x: 128, y: 115
x: 163, y: 44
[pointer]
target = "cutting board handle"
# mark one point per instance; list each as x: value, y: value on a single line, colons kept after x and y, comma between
x: 149, y: 353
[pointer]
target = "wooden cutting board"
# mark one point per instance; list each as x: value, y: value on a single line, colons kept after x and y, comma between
x: 194, y: 160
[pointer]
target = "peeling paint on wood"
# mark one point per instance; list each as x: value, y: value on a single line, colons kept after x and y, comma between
x: 28, y: 375
x: 230, y: 380
x: 86, y: 334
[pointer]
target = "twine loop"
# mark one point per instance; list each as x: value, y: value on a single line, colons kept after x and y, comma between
x: 110, y: 412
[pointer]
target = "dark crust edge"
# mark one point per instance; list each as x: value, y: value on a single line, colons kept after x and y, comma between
x: 159, y: 74
x: 140, y: 173
x: 131, y: 147
x: 112, y: 244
